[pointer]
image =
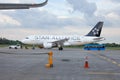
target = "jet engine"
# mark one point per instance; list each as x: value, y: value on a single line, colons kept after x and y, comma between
x: 47, y: 45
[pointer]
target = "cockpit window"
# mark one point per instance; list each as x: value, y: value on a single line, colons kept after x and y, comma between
x: 27, y: 38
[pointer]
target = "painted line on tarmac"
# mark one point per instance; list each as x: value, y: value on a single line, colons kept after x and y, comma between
x: 23, y: 53
x: 107, y: 59
x: 103, y: 73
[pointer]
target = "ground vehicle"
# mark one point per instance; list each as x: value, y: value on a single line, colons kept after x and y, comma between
x: 14, y: 47
x: 94, y: 47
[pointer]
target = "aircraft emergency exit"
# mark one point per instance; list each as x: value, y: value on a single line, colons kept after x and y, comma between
x: 5, y: 6
x: 50, y: 41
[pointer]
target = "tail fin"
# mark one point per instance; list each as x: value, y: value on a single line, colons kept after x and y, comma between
x: 96, y: 31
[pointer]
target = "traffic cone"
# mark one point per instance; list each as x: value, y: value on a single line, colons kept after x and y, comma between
x: 86, y: 65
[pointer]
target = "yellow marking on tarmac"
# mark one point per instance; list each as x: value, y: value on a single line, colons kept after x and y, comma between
x: 103, y: 73
x: 114, y: 62
x: 119, y: 65
x: 108, y: 59
x: 104, y: 58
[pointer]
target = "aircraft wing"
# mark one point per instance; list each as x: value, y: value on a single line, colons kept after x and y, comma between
x: 20, y: 6
x: 60, y: 42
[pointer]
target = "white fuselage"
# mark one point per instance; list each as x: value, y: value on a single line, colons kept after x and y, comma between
x: 72, y: 39
x: 50, y: 41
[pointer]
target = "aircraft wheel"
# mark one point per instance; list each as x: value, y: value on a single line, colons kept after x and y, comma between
x: 60, y: 48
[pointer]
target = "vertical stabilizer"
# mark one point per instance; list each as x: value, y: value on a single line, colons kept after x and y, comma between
x: 96, y: 31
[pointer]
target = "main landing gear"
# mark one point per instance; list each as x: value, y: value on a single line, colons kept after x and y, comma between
x: 60, y: 48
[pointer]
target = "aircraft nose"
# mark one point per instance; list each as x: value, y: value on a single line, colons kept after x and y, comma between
x: 26, y: 41
x: 23, y: 41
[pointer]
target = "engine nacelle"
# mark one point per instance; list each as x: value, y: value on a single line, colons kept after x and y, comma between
x: 67, y: 44
x: 47, y: 45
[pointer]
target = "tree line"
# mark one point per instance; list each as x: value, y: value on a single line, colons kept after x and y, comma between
x: 4, y: 41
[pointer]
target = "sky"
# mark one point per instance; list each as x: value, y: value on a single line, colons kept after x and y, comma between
x: 61, y: 17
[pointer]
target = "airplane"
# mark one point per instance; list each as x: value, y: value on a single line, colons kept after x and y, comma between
x: 51, y: 41
x: 4, y: 6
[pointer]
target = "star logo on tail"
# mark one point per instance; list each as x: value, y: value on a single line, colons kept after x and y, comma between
x: 95, y: 31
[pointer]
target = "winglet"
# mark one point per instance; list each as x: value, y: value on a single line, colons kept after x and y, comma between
x: 20, y: 6
x: 39, y: 5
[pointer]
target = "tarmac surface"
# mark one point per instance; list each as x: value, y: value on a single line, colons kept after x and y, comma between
x: 68, y: 64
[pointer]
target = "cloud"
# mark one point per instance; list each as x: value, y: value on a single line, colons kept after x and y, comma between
x: 87, y: 8
x: 115, y: 0
x: 42, y: 19
x: 93, y: 12
x: 32, y: 18
x: 7, y: 20
x: 56, y: 18
x: 113, y: 16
